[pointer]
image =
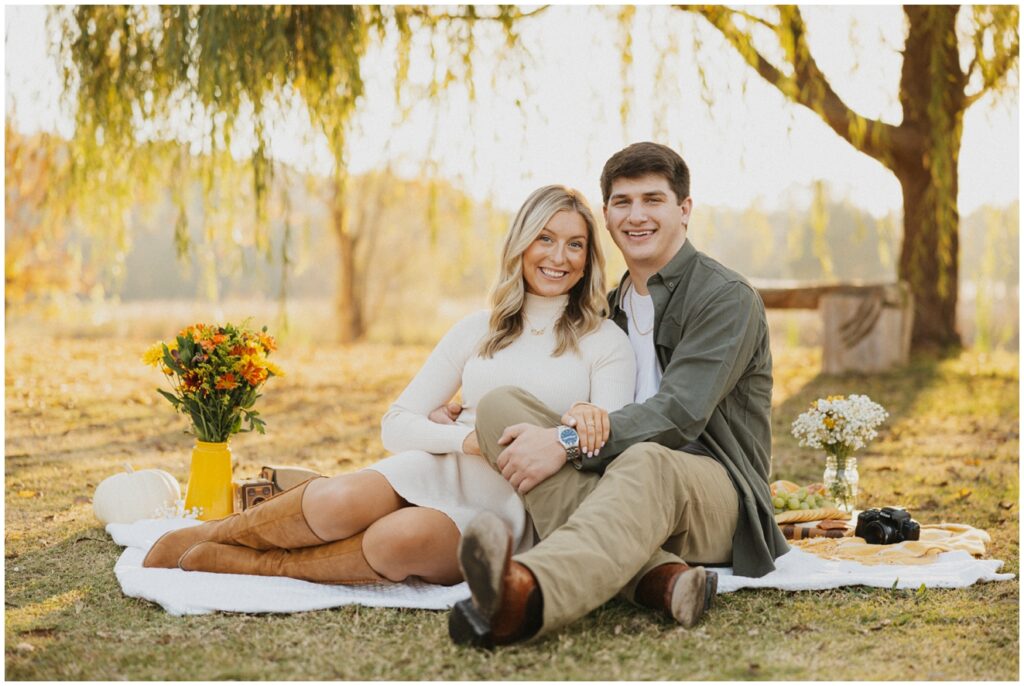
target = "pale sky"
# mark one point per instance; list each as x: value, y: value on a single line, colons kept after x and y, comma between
x: 750, y: 146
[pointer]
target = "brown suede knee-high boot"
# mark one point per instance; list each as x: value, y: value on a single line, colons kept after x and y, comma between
x: 275, y: 523
x: 338, y: 562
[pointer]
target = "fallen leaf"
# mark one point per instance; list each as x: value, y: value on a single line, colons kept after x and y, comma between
x: 1005, y: 504
x: 24, y: 647
x: 963, y: 493
x: 27, y: 494
x: 82, y: 500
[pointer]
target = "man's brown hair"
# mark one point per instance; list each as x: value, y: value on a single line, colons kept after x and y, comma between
x: 640, y: 159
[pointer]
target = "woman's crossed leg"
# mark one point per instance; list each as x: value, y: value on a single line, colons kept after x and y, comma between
x: 399, y: 540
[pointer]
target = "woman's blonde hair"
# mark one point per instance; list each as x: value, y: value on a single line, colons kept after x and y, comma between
x: 587, y: 300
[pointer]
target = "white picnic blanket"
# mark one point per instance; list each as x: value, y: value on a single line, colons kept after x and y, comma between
x: 184, y: 593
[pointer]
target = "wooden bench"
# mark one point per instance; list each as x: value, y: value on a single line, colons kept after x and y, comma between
x: 867, y: 326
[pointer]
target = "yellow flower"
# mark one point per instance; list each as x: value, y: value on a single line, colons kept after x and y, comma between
x: 154, y: 354
x: 273, y: 368
x: 829, y: 423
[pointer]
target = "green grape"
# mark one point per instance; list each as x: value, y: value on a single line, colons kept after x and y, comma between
x: 801, y: 494
x: 804, y: 505
x: 779, y: 503
x: 793, y: 503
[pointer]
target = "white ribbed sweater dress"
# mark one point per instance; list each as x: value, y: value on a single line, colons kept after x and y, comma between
x: 429, y: 468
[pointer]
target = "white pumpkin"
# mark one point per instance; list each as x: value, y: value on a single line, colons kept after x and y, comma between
x: 133, y: 495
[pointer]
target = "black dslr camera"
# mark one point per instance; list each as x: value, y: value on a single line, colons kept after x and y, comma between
x: 885, y: 526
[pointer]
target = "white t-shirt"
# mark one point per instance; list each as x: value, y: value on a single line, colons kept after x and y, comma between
x: 640, y: 314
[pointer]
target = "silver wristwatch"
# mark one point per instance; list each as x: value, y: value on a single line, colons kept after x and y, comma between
x: 570, y: 440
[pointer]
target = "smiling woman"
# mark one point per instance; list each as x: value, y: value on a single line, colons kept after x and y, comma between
x: 554, y: 231
x: 555, y: 260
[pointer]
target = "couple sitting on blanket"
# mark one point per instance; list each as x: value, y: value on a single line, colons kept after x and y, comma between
x: 629, y: 433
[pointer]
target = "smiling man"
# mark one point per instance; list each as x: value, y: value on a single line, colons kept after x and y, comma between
x: 682, y: 480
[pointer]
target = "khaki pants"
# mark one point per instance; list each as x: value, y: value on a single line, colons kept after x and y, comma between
x: 600, y: 534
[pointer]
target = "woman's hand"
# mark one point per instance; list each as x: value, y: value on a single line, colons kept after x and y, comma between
x: 446, y: 414
x: 591, y: 423
x: 470, y: 445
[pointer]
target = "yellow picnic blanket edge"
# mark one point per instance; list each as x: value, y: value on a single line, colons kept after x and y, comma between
x: 935, y: 539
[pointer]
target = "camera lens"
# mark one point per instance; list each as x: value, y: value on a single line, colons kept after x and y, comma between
x: 879, y: 533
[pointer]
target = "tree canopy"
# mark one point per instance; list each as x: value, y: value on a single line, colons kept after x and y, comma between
x: 140, y: 75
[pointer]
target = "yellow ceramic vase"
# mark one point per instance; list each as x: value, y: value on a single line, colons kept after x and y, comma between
x: 209, y: 481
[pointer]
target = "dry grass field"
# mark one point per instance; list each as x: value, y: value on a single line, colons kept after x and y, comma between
x: 77, y: 408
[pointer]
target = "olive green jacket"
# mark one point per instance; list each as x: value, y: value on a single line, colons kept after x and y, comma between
x: 711, y: 340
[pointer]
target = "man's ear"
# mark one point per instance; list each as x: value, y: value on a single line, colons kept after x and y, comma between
x: 604, y: 211
x: 685, y: 208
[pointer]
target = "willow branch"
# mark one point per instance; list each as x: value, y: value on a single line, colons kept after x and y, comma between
x: 994, y: 79
x: 808, y: 85
x: 426, y: 13
x: 757, y: 20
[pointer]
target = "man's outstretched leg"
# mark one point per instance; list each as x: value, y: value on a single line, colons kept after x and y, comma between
x: 506, y: 605
x: 661, y: 581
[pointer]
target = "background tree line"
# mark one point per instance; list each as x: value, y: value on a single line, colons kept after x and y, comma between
x: 132, y: 72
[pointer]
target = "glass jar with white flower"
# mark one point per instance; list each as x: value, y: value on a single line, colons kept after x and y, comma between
x: 840, y: 426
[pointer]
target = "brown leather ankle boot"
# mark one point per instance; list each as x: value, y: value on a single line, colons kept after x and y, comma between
x: 338, y: 562
x: 685, y: 593
x: 506, y: 604
x: 275, y: 523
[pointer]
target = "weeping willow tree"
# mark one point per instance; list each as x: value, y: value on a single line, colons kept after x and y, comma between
x: 922, y: 150
x: 138, y: 76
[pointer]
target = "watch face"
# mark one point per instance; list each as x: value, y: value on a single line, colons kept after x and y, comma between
x: 569, y: 436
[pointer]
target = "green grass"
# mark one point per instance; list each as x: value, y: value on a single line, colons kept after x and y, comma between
x: 76, y: 409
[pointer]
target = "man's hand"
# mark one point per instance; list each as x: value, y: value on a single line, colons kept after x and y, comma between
x: 533, y: 454
x: 470, y: 445
x: 446, y: 414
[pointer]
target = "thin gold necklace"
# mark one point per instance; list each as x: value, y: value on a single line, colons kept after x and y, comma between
x: 534, y: 331
x: 632, y: 314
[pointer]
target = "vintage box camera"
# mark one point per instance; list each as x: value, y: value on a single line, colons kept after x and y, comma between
x: 284, y: 477
x: 251, y: 492
x: 888, y: 525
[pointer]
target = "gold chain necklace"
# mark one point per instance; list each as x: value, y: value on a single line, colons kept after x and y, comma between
x: 632, y: 314
x: 534, y: 331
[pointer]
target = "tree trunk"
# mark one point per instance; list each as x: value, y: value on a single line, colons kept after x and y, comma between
x: 348, y: 308
x: 932, y: 96
x: 931, y: 268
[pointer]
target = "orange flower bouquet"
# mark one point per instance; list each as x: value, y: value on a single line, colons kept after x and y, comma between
x: 216, y: 373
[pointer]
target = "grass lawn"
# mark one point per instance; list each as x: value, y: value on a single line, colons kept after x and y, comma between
x: 76, y: 409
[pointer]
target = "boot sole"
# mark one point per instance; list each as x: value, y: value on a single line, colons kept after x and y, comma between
x: 484, y: 554
x: 690, y: 595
